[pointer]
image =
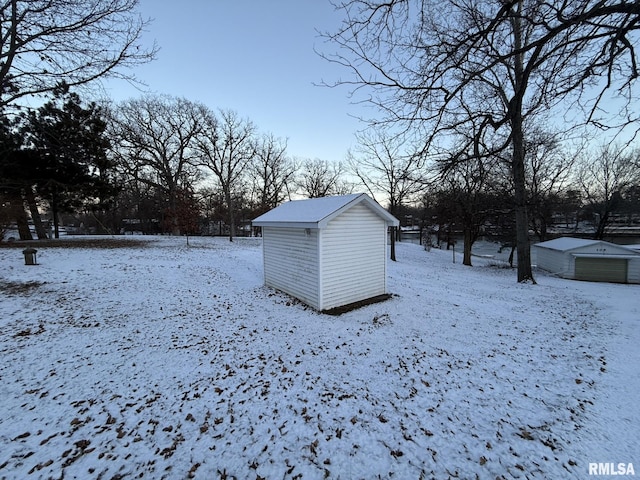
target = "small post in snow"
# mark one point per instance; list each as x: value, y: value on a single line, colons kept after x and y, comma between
x: 30, y: 256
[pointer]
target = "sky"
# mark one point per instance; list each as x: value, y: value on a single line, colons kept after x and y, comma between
x: 257, y: 58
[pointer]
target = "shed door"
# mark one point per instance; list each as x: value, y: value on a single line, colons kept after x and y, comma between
x: 601, y: 269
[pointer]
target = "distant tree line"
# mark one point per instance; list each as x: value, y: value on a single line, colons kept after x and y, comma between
x: 174, y: 155
x: 155, y: 164
x: 160, y: 164
x: 570, y: 188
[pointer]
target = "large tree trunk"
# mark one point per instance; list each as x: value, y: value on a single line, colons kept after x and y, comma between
x: 601, y: 228
x: 232, y: 219
x: 520, y: 197
x: 174, y: 224
x: 35, y: 214
x: 392, y: 237
x: 543, y: 230
x: 20, y: 216
x: 54, y: 215
x: 23, y: 226
x: 518, y: 160
x: 468, y: 243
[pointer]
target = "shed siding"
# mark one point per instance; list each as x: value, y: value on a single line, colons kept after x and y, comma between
x: 353, y: 257
x: 291, y: 262
x: 634, y: 270
x: 553, y: 261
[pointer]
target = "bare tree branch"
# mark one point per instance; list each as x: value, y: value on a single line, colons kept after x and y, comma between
x: 488, y: 67
x: 45, y: 42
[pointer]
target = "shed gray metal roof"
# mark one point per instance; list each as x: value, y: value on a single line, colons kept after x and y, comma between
x: 564, y: 244
x: 318, y: 212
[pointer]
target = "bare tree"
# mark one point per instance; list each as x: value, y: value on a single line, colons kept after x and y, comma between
x: 272, y: 173
x: 137, y: 206
x: 548, y: 172
x: 467, y: 192
x: 321, y: 178
x: 45, y: 42
x: 448, y: 63
x: 154, y: 140
x: 387, y: 167
x: 226, y: 148
x: 605, y: 178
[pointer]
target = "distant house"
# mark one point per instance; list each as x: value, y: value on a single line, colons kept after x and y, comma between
x: 592, y: 260
x: 327, y: 252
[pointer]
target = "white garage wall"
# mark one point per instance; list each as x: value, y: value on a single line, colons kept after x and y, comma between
x: 554, y: 261
x: 633, y: 275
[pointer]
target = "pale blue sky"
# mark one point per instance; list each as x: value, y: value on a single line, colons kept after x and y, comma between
x: 255, y: 57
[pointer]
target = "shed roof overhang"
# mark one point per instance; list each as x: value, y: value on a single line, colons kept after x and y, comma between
x: 311, y: 225
x: 611, y: 256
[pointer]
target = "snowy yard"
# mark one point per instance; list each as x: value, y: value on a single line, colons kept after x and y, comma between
x: 168, y: 361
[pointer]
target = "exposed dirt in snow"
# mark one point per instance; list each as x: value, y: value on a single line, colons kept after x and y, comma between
x: 168, y: 361
x: 80, y: 242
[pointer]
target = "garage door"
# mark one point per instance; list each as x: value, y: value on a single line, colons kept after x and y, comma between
x: 601, y: 269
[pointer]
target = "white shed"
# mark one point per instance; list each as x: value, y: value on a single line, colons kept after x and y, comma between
x: 328, y: 252
x: 592, y: 260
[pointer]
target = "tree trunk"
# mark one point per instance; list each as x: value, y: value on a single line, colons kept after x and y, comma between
x: 468, y: 243
x: 20, y: 216
x: 232, y: 220
x: 173, y: 211
x: 520, y: 197
x: 35, y: 214
x: 54, y: 214
x: 601, y: 228
x: 525, y: 273
x: 543, y: 230
x: 393, y: 243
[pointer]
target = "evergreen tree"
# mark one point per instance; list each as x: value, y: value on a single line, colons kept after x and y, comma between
x: 70, y: 166
x: 12, y: 180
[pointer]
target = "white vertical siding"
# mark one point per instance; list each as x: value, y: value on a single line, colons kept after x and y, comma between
x: 554, y: 261
x: 633, y: 274
x: 291, y: 262
x: 352, y: 258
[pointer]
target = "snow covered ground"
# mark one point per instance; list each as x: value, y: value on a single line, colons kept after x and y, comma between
x: 174, y: 361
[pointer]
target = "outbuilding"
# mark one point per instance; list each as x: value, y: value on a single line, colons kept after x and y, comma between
x: 328, y: 252
x: 592, y: 260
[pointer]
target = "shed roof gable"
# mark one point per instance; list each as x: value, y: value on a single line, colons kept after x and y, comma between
x: 318, y: 212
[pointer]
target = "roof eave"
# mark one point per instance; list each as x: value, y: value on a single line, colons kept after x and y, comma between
x: 285, y: 224
x: 624, y: 256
